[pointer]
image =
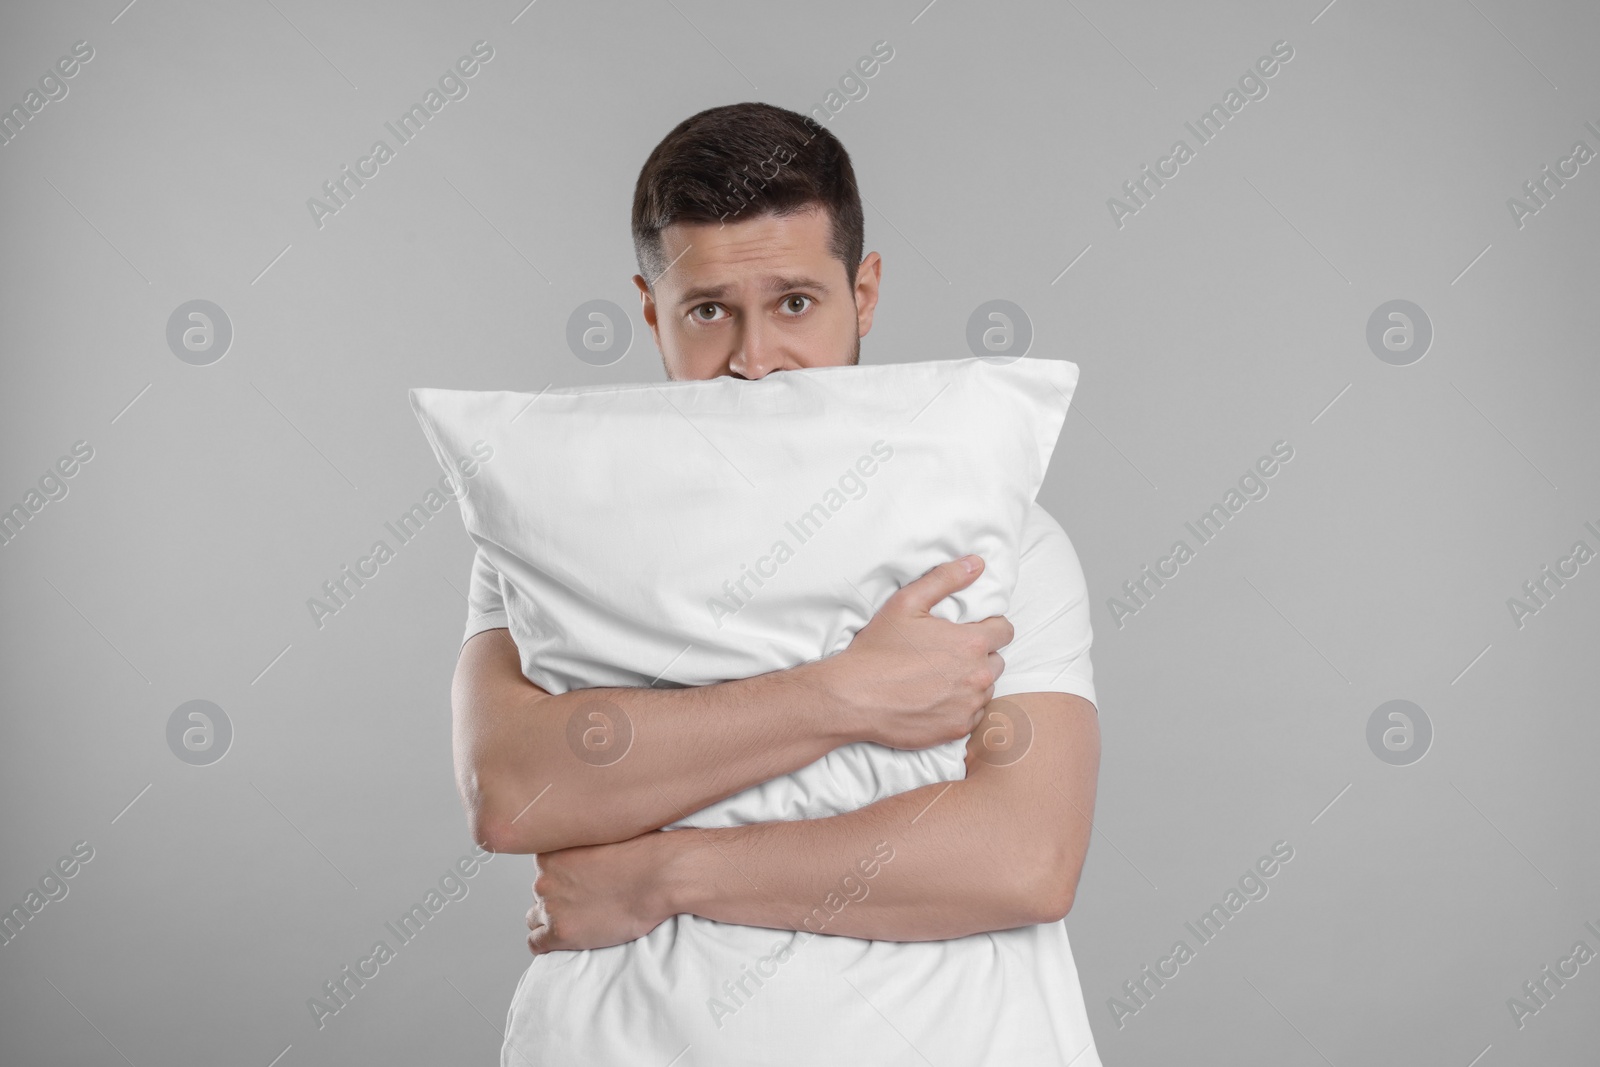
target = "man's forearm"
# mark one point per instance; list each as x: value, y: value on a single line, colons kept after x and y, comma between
x: 961, y: 860
x: 534, y: 783
x: 557, y: 774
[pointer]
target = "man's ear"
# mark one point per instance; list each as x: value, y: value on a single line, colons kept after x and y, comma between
x: 868, y: 277
x: 647, y: 307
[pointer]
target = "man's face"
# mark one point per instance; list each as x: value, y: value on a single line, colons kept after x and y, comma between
x: 746, y: 298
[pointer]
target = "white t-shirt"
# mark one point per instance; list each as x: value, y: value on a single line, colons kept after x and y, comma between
x: 750, y: 995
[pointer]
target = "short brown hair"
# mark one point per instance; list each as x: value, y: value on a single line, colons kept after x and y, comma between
x: 713, y: 167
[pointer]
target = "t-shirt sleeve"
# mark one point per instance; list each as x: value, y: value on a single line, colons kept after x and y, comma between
x: 486, y: 606
x: 1050, y: 614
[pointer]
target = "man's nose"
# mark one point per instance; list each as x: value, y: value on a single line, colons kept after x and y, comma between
x: 757, y: 354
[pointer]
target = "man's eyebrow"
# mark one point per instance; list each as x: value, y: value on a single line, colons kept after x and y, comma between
x: 702, y: 293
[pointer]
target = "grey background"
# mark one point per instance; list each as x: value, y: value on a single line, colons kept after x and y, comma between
x: 1228, y: 314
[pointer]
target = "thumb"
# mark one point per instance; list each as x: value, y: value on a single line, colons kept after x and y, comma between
x: 938, y: 583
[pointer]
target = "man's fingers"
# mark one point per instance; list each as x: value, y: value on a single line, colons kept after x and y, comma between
x: 923, y: 593
x: 542, y: 935
x: 997, y: 631
x: 997, y: 664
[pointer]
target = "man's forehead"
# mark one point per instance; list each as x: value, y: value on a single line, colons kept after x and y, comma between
x: 770, y: 251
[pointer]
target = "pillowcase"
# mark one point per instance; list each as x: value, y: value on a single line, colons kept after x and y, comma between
x: 692, y: 532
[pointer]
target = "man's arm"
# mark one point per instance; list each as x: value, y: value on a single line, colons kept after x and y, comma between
x: 1002, y: 848
x: 908, y: 680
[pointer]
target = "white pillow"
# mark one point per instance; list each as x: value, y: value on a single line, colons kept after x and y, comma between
x: 685, y: 533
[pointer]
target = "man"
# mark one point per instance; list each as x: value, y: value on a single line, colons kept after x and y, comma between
x: 748, y: 228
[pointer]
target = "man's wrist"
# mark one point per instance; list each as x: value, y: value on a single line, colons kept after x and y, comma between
x: 835, y: 714
x: 677, y: 880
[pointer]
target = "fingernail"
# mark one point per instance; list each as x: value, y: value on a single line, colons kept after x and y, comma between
x: 970, y: 563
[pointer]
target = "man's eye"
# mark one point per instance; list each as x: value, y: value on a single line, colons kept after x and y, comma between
x: 703, y: 307
x: 790, y: 302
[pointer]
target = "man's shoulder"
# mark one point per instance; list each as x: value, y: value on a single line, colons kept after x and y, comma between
x: 1051, y: 587
x: 1040, y: 521
x: 1050, y: 612
x: 1045, y: 542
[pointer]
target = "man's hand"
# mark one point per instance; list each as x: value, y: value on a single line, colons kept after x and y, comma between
x: 908, y: 680
x: 594, y: 896
x: 912, y: 680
